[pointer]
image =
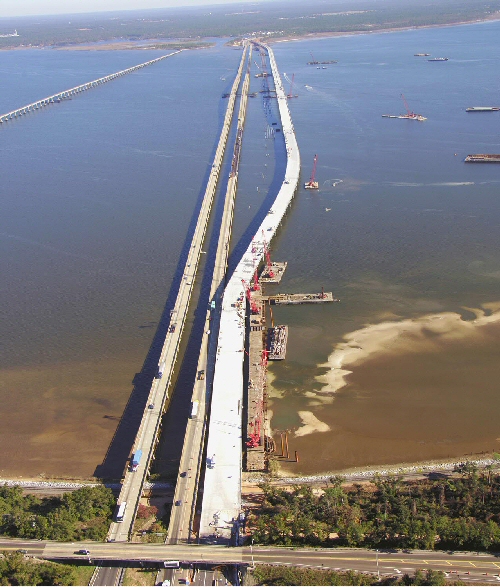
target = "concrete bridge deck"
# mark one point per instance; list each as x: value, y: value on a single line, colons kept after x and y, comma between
x: 222, y: 487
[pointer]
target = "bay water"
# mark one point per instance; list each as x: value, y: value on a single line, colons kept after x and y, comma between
x: 98, y: 193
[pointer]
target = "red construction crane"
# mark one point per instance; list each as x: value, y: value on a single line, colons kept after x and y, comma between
x: 269, y: 265
x: 254, y: 308
x: 290, y: 95
x: 256, y: 285
x: 312, y: 184
x: 254, y: 437
x: 411, y: 114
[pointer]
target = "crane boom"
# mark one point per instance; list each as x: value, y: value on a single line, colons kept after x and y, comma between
x: 312, y: 184
x: 409, y: 112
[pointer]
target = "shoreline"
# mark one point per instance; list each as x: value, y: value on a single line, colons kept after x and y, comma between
x: 329, y: 35
x: 149, y: 44
x: 365, y: 474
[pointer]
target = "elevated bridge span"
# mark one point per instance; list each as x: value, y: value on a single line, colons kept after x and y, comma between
x: 222, y: 486
x: 147, y: 435
x: 65, y: 94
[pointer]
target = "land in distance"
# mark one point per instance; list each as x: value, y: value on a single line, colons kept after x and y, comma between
x: 270, y: 20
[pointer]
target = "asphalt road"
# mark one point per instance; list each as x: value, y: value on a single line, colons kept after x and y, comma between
x: 186, y: 489
x: 469, y: 566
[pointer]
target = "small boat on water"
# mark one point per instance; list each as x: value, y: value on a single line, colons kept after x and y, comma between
x: 438, y: 59
x: 422, y: 55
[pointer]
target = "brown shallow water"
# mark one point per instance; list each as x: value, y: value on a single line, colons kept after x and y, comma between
x: 428, y: 390
x: 61, y: 410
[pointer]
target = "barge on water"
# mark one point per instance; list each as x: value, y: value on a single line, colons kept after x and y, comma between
x: 482, y: 158
x: 483, y: 109
x: 300, y: 298
x: 273, y: 272
x: 277, y: 338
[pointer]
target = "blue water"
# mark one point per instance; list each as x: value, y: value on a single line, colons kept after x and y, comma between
x: 98, y: 194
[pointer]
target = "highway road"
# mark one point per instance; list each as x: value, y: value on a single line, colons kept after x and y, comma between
x: 147, y: 435
x: 186, y: 490
x: 469, y: 566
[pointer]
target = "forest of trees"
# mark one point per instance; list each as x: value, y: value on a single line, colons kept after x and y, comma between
x: 15, y: 569
x: 84, y: 514
x: 446, y: 513
x: 277, y: 575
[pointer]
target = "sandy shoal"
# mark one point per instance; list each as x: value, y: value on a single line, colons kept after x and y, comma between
x: 428, y: 333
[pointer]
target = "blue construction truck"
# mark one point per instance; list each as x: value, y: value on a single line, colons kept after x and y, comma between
x: 135, y: 461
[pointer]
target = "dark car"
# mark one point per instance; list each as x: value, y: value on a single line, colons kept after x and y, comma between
x: 83, y: 551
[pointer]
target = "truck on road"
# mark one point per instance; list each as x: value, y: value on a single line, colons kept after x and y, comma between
x: 194, y: 408
x: 135, y: 460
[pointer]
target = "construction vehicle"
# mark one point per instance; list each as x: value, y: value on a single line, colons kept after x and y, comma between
x: 312, y: 184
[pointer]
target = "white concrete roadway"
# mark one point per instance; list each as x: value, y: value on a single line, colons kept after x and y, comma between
x: 148, y: 432
x: 222, y: 486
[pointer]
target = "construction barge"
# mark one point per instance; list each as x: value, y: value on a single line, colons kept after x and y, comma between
x: 277, y: 338
x: 483, y: 109
x: 482, y: 158
x: 300, y: 298
x: 273, y: 272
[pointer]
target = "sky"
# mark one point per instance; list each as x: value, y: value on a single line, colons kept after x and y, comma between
x: 31, y: 7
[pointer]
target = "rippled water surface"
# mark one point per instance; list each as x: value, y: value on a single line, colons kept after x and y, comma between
x: 98, y: 194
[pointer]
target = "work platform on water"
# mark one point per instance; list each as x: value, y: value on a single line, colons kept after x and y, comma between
x: 256, y: 397
x: 483, y: 158
x: 273, y: 272
x: 277, y: 338
x: 300, y: 298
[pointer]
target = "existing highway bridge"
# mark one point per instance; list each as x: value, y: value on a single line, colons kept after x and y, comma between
x: 65, y: 94
x: 148, y: 432
x: 186, y: 491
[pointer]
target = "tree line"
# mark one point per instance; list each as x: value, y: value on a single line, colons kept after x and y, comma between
x: 447, y: 513
x: 84, y: 514
x: 278, y: 575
